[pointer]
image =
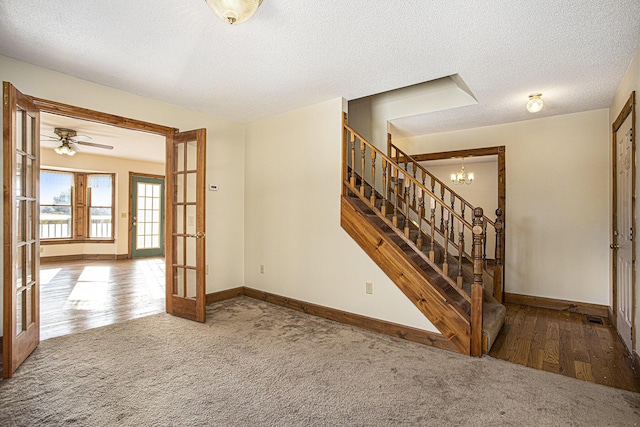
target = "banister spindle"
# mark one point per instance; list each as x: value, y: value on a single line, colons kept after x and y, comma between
x: 362, y: 166
x: 395, y: 195
x: 460, y: 251
x: 499, y: 266
x: 413, y: 184
x: 477, y: 296
x: 352, y: 180
x: 432, y: 249
x: 385, y: 191
x: 453, y: 209
x: 484, y: 242
x: 442, y: 209
x: 420, y: 215
x: 407, y: 190
x: 372, y: 198
x: 445, y: 263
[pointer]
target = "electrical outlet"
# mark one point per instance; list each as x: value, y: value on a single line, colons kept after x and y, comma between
x: 261, y: 268
x: 369, y: 287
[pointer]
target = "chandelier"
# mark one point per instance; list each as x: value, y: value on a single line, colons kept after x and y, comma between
x: 462, y: 177
x: 234, y: 11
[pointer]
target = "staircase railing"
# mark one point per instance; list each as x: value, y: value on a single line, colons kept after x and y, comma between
x: 461, y: 206
x: 395, y: 191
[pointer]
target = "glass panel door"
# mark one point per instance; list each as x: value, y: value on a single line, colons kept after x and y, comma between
x: 21, y: 146
x: 185, y: 242
x: 147, y: 216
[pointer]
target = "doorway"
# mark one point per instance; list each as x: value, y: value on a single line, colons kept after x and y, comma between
x: 21, y: 128
x: 624, y: 223
x: 146, y: 211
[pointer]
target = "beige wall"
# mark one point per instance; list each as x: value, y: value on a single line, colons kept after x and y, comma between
x: 557, y: 214
x: 292, y: 223
x: 630, y: 83
x: 225, y: 154
x: 121, y: 167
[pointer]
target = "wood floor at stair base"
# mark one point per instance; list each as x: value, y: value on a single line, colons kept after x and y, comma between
x: 557, y: 304
x: 407, y: 276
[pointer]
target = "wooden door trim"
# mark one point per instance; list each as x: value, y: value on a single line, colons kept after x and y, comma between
x: 628, y: 108
x: 129, y: 225
x: 72, y: 111
x: 499, y: 151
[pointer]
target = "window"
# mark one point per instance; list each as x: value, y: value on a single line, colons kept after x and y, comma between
x: 76, y: 206
x: 55, y: 204
x: 100, y: 206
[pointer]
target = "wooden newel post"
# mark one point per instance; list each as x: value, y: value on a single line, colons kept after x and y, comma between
x: 498, y: 268
x: 476, y: 287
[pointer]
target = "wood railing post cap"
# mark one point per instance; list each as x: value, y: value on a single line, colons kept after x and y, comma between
x: 478, y: 212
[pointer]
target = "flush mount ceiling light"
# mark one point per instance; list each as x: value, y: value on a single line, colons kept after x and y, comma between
x: 234, y: 11
x: 535, y: 103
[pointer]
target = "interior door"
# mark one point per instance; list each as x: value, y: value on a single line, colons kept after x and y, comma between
x: 21, y: 154
x: 623, y: 232
x: 147, y: 216
x: 185, y: 216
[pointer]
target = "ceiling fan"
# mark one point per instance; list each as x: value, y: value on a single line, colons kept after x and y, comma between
x: 69, y: 141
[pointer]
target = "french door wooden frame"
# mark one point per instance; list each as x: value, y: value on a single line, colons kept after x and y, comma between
x: 499, y: 151
x: 628, y: 109
x: 21, y: 158
x: 52, y: 107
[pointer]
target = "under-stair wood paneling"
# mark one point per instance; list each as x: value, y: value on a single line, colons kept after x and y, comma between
x: 410, y: 279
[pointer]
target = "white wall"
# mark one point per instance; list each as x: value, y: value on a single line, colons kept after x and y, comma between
x: 292, y: 223
x: 630, y: 82
x: 94, y: 163
x: 557, y: 201
x: 225, y: 154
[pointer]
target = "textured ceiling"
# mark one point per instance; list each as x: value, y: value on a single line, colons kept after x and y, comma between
x: 127, y: 144
x: 294, y: 53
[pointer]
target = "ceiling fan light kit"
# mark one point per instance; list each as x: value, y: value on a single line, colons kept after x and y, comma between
x: 69, y: 141
x: 234, y: 11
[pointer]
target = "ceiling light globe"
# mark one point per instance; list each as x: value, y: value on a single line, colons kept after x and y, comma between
x: 535, y: 103
x: 234, y: 11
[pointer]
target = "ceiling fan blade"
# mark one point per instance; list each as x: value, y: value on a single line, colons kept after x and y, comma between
x: 74, y: 146
x: 93, y: 144
x: 83, y: 138
x: 49, y: 138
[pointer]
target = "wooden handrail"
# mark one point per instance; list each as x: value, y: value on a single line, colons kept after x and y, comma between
x: 408, y: 176
x: 433, y: 177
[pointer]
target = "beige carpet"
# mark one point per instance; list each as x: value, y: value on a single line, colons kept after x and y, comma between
x: 258, y: 364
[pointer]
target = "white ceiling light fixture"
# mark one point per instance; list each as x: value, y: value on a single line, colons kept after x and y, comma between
x: 535, y: 103
x: 462, y: 177
x: 234, y: 11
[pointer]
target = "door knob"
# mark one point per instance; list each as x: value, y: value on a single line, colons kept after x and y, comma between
x: 614, y: 246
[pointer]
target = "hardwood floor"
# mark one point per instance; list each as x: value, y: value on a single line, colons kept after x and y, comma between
x: 81, y: 295
x: 567, y: 344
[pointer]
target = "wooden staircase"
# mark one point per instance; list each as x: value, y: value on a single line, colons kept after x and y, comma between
x: 422, y: 250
